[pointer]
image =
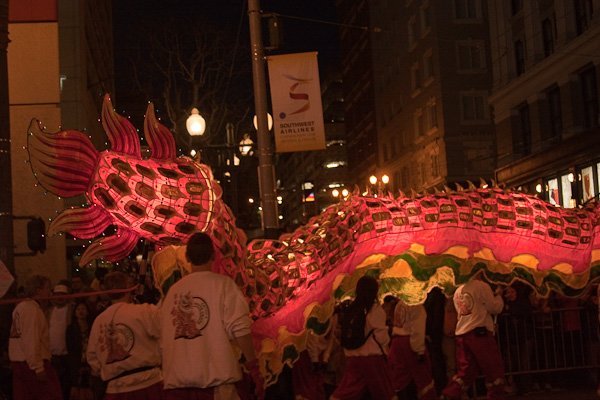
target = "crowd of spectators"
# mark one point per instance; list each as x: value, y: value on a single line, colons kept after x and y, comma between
x: 547, y: 343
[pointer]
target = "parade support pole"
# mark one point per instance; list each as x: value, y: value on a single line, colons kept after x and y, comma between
x: 6, y: 222
x: 266, y: 169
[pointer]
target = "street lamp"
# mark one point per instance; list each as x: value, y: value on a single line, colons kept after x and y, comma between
x: 246, y: 145
x: 269, y: 122
x: 340, y: 194
x: 378, y: 184
x: 195, y: 124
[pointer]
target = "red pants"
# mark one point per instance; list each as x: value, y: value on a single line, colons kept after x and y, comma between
x: 406, y: 367
x: 474, y: 355
x: 153, y: 392
x: 306, y: 382
x: 365, y: 374
x: 26, y: 385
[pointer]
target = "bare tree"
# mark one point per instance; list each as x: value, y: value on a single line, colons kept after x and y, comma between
x: 181, y: 65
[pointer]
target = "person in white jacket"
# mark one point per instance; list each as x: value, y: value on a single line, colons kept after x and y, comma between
x: 29, y: 346
x: 408, y: 357
x: 123, y: 346
x: 200, y: 316
x: 366, y: 368
x: 476, y: 348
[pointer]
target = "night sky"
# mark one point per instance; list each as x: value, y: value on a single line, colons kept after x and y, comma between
x: 226, y: 17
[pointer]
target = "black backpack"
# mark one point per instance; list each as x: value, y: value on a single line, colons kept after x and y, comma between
x: 352, y: 326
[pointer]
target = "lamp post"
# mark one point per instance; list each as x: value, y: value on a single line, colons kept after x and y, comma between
x: 266, y: 168
x: 195, y: 125
x: 340, y: 195
x: 380, y: 184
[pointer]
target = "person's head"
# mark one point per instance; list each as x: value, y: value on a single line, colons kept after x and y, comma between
x: 38, y: 285
x: 117, y: 280
x: 76, y: 283
x: 81, y: 311
x: 199, y: 249
x: 60, y: 289
x: 366, y: 292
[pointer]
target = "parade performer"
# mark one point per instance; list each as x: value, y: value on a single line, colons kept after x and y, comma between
x: 366, y: 366
x: 29, y: 346
x: 408, y: 356
x: 124, y: 345
x: 200, y: 316
x: 476, y: 348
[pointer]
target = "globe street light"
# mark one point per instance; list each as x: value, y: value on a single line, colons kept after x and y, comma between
x: 269, y: 122
x: 195, y: 124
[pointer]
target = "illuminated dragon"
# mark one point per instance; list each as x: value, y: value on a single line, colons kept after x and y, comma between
x: 410, y: 244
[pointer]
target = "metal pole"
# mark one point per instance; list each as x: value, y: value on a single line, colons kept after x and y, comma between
x: 6, y: 223
x: 266, y: 169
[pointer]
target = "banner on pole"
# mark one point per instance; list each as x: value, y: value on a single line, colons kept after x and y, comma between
x: 296, y: 97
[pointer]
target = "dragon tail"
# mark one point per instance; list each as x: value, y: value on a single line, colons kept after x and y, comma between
x: 62, y: 162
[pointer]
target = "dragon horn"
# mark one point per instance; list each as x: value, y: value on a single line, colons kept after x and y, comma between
x: 459, y: 188
x: 447, y: 189
x: 482, y: 183
x: 471, y: 185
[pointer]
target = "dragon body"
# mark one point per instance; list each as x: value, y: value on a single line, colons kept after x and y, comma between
x: 411, y: 244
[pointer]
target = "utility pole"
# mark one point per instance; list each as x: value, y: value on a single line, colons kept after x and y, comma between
x: 266, y: 169
x: 6, y: 222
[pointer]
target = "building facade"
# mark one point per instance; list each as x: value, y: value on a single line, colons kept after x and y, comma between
x: 359, y: 97
x: 545, y: 97
x: 54, y: 71
x: 432, y: 76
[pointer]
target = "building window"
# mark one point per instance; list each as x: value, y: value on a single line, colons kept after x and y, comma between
x: 427, y: 67
x: 435, y: 166
x: 554, y: 113
x: 431, y: 115
x: 473, y: 107
x: 471, y: 55
x: 415, y: 77
x: 589, y: 97
x: 425, y: 12
x: 587, y: 182
x: 584, y: 11
x: 519, y: 57
x: 553, y: 192
x: 567, y: 193
x: 548, y: 36
x: 419, y: 121
x: 522, y: 133
x: 412, y: 32
x: 466, y: 9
